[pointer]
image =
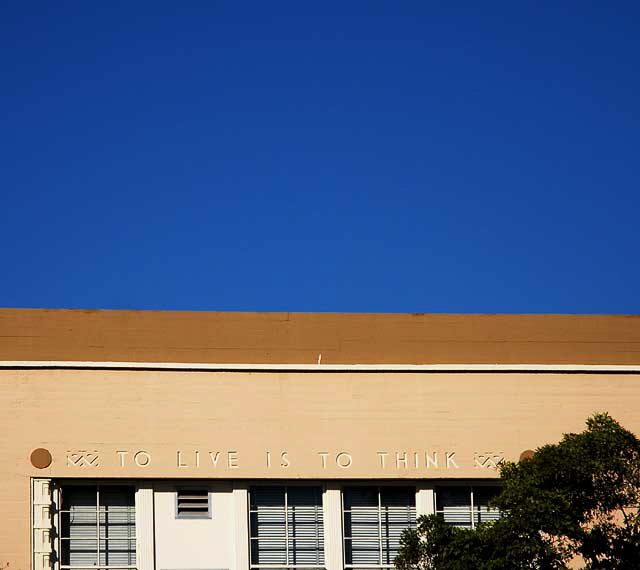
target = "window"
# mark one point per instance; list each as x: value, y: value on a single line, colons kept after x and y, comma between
x: 465, y: 505
x: 374, y: 518
x: 286, y: 527
x: 97, y: 526
x: 193, y: 504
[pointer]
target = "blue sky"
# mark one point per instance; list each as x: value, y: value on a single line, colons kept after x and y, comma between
x: 338, y: 156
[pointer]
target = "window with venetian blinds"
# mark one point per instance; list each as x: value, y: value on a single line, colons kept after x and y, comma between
x: 374, y: 518
x: 97, y: 526
x: 466, y: 506
x: 286, y: 527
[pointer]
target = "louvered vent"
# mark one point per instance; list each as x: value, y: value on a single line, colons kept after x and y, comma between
x: 192, y: 503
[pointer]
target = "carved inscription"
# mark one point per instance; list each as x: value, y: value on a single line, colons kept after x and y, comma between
x: 229, y: 459
x: 140, y: 458
x: 401, y: 460
x: 276, y: 460
x: 281, y: 460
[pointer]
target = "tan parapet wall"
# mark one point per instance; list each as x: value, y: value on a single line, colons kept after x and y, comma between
x: 306, y: 338
x: 282, y: 425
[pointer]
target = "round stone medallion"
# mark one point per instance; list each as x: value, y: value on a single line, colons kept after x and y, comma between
x: 527, y: 454
x: 41, y: 458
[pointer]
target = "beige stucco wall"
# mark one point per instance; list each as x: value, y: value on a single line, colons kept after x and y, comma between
x: 194, y: 543
x: 327, y: 425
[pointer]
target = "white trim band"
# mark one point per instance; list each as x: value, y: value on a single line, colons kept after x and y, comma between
x: 199, y: 366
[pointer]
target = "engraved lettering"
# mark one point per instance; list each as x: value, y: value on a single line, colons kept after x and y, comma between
x: 450, y: 457
x: 122, y: 454
x: 344, y: 460
x: 142, y: 459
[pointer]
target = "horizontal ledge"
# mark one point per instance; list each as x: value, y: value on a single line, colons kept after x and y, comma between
x: 209, y: 367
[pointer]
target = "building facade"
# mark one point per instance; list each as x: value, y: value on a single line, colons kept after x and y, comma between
x: 248, y: 441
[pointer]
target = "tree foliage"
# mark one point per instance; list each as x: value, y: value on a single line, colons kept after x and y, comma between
x: 572, y: 502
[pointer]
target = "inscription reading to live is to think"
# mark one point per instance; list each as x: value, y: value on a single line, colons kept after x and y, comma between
x: 282, y: 460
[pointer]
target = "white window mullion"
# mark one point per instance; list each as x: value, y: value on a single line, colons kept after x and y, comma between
x: 332, y: 514
x: 144, y: 504
x: 241, y: 526
x: 379, y: 526
x: 473, y: 515
x: 98, y: 524
x: 425, y: 500
x: 286, y: 527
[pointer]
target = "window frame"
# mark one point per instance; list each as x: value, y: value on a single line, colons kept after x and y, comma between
x: 378, y: 486
x: 286, y: 484
x: 469, y: 484
x: 58, y: 494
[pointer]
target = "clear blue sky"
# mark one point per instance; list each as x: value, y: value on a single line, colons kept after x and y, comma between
x: 321, y: 156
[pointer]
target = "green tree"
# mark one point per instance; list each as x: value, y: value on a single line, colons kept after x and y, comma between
x: 572, y: 501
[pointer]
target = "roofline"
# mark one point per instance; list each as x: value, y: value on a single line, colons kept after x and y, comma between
x: 298, y: 340
x: 287, y: 314
x: 320, y: 368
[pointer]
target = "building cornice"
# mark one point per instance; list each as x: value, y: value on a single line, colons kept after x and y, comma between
x: 320, y: 368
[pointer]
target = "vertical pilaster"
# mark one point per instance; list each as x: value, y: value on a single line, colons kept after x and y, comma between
x: 240, y: 526
x: 42, y: 525
x: 332, y: 510
x: 145, y: 543
x: 425, y: 499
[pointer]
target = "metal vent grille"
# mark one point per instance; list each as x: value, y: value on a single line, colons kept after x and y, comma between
x: 193, y: 504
